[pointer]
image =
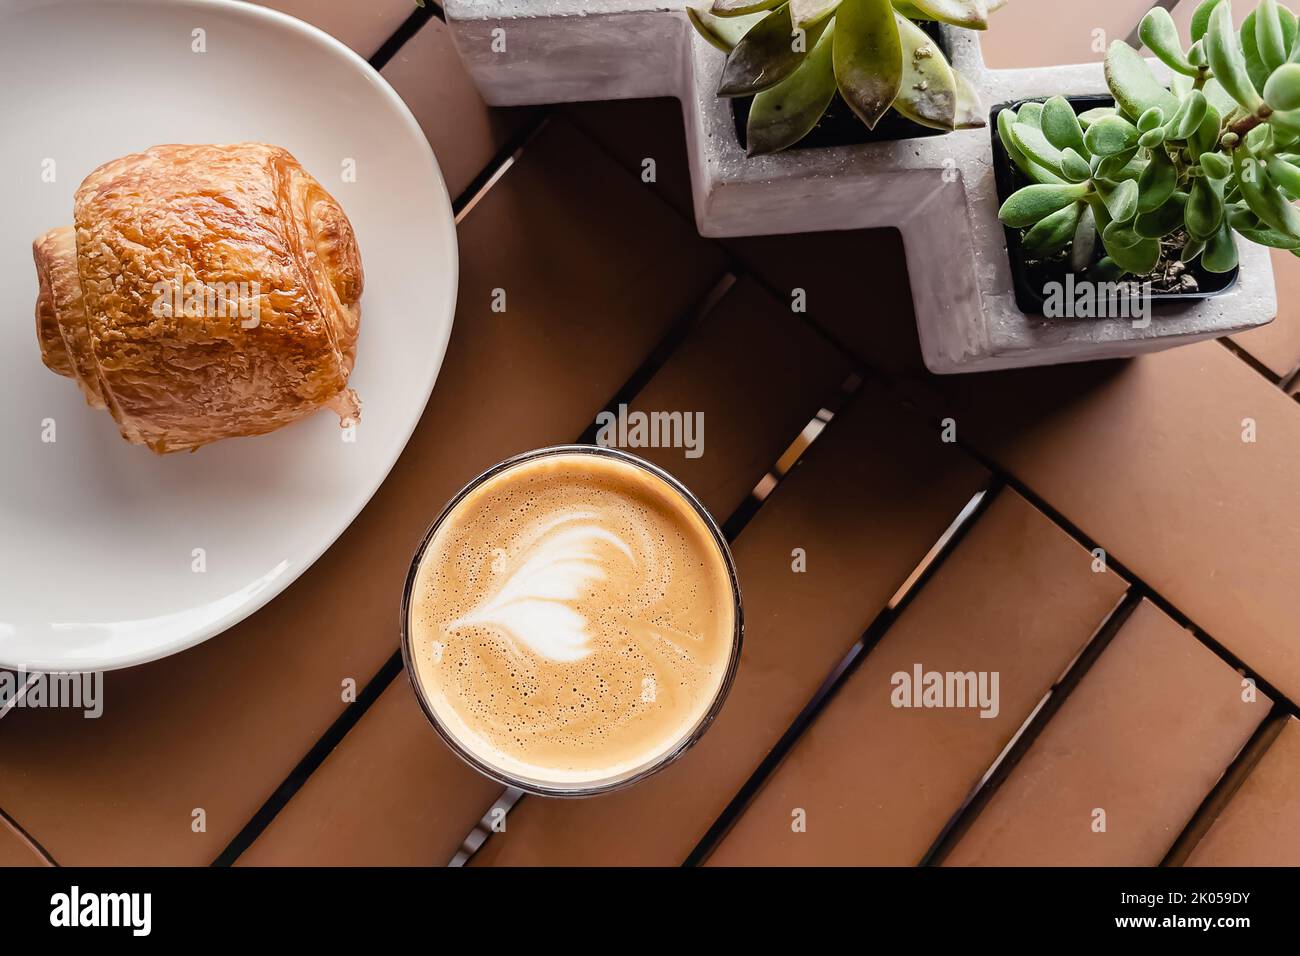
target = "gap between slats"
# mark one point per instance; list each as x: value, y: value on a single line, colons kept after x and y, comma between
x: 1217, y: 800
x: 842, y: 671
x: 1137, y: 584
x: 1029, y: 730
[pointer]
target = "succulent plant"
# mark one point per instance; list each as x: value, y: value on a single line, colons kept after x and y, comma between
x: 1169, y: 170
x: 793, y: 55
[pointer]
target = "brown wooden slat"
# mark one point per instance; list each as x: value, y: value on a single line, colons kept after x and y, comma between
x: 855, y: 287
x: 1277, y: 345
x: 391, y: 792
x: 1260, y: 826
x: 878, y: 322
x: 362, y: 26
x: 636, y: 130
x: 876, y: 783
x: 1051, y: 33
x: 1144, y: 736
x: 1147, y: 458
x: 874, y: 493
x: 465, y: 134
x: 596, y: 272
x: 758, y: 375
x: 15, y: 850
x: 875, y: 321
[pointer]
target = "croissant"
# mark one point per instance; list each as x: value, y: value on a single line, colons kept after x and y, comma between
x: 204, y: 292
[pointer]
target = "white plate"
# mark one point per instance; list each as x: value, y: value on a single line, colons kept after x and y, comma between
x: 101, y: 541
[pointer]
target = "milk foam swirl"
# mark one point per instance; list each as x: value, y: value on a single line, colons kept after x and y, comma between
x: 535, y: 603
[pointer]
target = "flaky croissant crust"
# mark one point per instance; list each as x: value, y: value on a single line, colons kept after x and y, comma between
x: 204, y: 292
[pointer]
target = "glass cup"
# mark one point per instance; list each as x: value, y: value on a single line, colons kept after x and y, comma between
x: 654, y: 764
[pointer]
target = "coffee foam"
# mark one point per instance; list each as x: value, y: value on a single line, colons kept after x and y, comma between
x: 572, y: 619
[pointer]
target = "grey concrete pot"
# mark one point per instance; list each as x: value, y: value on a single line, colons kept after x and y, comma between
x: 937, y: 191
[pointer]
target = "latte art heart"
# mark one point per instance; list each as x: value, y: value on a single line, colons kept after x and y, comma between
x: 536, y: 603
x: 571, y: 616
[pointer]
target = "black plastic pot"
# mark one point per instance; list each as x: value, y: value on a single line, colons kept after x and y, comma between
x: 840, y: 126
x: 1031, y: 281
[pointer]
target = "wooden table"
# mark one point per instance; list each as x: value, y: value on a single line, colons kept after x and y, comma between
x: 1125, y: 678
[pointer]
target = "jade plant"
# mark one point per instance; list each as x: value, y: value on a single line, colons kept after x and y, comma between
x: 793, y: 55
x: 1170, y: 173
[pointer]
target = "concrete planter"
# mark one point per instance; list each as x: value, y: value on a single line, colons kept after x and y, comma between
x: 938, y: 191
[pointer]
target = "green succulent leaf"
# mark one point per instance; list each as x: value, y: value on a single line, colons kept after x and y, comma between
x: 1267, y: 37
x: 1270, y: 36
x: 1151, y: 119
x: 1006, y: 133
x: 1121, y: 200
x: 1219, y: 98
x: 1216, y: 165
x: 1228, y: 61
x: 1284, y: 175
x: 1255, y: 66
x: 1259, y: 140
x: 1287, y: 120
x: 1031, y: 113
x: 1074, y: 167
x: 1034, y: 203
x: 1054, y: 232
x: 1100, y: 213
x: 1159, y: 32
x: 1060, y: 125
x: 738, y: 8
x: 1282, y: 91
x: 1033, y: 143
x: 1139, y: 258
x: 786, y: 113
x: 1284, y: 138
x: 723, y: 32
x: 1157, y: 183
x: 1088, y: 117
x: 1220, y: 251
x: 766, y: 55
x: 868, y: 56
x: 1132, y: 83
x: 1264, y: 199
x: 1191, y: 249
x: 1189, y: 117
x: 928, y: 93
x: 1085, y: 239
x: 1205, y: 139
x: 1204, y: 209
x: 972, y: 14
x: 1264, y: 236
x: 805, y: 13
x: 1151, y: 138
x: 1106, y: 270
x: 1241, y: 217
x: 1120, y: 235
x: 1201, y: 19
x: 1111, y: 136
x: 1163, y: 221
x: 1121, y: 166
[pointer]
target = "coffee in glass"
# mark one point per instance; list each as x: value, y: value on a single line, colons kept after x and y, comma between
x: 572, y: 621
